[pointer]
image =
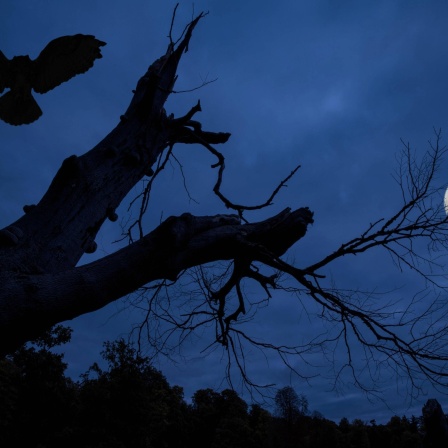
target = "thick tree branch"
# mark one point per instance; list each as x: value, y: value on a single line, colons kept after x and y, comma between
x: 177, y: 244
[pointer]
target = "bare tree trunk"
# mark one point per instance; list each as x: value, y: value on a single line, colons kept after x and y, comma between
x: 40, y: 283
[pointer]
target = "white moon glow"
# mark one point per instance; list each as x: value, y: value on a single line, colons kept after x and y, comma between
x: 445, y: 201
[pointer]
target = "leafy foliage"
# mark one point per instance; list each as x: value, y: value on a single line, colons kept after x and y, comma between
x: 131, y: 404
x: 289, y: 405
x: 37, y: 399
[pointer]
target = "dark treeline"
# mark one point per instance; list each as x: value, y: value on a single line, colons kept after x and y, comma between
x: 131, y: 404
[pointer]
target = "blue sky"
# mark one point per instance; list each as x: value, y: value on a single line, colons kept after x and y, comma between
x: 333, y: 86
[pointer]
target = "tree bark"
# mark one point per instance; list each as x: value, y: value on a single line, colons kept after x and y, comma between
x: 40, y: 283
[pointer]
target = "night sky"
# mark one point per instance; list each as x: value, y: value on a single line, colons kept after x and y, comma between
x: 332, y: 86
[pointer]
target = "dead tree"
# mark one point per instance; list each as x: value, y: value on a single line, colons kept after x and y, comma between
x: 41, y: 284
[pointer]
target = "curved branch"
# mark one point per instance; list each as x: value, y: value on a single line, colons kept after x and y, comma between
x: 196, y: 135
x: 177, y: 244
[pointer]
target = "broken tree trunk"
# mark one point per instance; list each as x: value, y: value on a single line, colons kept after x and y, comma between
x: 40, y: 283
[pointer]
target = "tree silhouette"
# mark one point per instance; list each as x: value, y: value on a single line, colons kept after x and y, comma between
x: 435, y: 424
x: 130, y: 404
x: 289, y: 405
x: 41, y: 284
x: 38, y: 401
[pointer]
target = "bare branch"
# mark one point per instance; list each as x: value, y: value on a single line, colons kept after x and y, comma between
x: 391, y: 336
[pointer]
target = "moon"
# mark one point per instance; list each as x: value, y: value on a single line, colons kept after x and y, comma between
x: 445, y: 201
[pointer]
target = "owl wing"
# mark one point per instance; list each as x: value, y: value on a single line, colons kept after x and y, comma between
x: 4, y: 72
x: 63, y: 58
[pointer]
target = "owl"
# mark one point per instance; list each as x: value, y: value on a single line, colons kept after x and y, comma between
x: 62, y: 59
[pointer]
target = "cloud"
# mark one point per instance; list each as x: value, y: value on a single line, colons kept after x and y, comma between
x: 332, y: 87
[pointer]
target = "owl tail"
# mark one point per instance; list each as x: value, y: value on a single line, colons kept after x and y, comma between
x: 19, y: 108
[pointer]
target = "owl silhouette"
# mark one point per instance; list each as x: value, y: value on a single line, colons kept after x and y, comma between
x: 62, y: 59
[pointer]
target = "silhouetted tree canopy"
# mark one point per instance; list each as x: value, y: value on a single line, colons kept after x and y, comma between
x: 130, y: 404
